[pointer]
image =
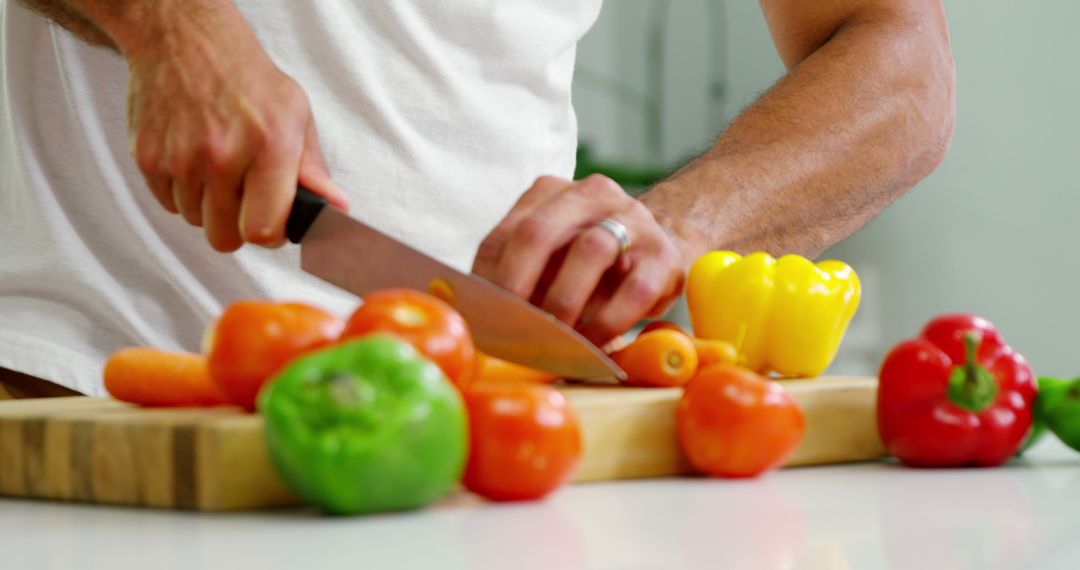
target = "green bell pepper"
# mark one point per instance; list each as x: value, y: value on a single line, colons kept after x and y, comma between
x: 1059, y: 407
x: 1049, y: 390
x: 365, y: 426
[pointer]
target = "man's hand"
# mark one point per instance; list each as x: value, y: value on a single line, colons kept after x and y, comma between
x: 221, y: 135
x: 549, y: 250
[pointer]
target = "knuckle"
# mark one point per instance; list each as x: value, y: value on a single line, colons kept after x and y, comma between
x: 656, y: 246
x: 261, y: 233
x: 596, y: 244
x: 487, y: 254
x: 641, y: 290
x: 291, y: 120
x: 560, y: 305
x: 673, y: 256
x: 603, y: 328
x: 669, y: 252
x: 259, y: 136
x: 598, y: 183
x: 180, y: 164
x: 284, y: 142
x: 532, y: 231
x: 638, y: 210
x: 520, y: 290
x: 217, y: 153
x: 273, y: 127
x: 546, y: 180
x: 223, y: 201
x: 296, y: 98
x: 148, y: 159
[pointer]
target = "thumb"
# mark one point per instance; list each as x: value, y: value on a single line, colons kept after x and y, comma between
x: 315, y: 175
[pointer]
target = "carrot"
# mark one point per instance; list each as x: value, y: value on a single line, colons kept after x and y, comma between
x: 662, y: 325
x: 712, y: 352
x: 158, y: 378
x: 709, y: 351
x: 491, y: 368
x: 661, y: 357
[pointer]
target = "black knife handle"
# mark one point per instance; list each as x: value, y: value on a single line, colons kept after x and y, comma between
x: 305, y: 208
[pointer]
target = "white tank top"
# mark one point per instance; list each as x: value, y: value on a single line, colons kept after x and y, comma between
x: 434, y: 115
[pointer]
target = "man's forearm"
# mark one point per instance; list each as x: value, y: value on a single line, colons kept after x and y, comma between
x: 70, y: 19
x: 136, y: 26
x: 851, y: 127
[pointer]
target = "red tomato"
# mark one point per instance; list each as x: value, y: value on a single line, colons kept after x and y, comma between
x: 734, y: 423
x: 429, y: 324
x: 524, y: 440
x: 254, y: 339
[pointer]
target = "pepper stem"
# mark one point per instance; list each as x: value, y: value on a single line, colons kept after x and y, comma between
x: 971, y: 386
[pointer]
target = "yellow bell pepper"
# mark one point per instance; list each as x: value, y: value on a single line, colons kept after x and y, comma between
x: 786, y: 316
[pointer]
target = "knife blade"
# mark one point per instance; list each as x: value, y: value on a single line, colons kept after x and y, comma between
x: 358, y: 258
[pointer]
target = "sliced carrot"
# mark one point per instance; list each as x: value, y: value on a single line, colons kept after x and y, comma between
x: 712, y: 352
x: 490, y: 368
x: 158, y: 378
x: 661, y: 357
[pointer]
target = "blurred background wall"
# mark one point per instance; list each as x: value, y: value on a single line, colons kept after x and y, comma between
x: 992, y: 231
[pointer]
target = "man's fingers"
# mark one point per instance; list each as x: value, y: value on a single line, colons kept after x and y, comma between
x: 149, y: 159
x: 544, y: 188
x: 220, y: 220
x: 221, y: 209
x: 161, y: 187
x: 269, y: 189
x: 549, y: 250
x: 315, y: 175
x: 551, y: 226
x: 590, y: 256
x: 187, y: 196
x: 639, y: 292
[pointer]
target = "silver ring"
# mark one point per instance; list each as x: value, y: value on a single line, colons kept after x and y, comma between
x: 616, y: 229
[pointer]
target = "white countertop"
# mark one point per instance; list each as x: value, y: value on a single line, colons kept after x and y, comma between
x: 1025, y: 515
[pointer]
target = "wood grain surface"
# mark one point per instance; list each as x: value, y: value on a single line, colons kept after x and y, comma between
x: 103, y: 451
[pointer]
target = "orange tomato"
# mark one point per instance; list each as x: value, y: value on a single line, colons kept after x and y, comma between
x: 524, y: 440
x: 489, y: 368
x: 433, y: 327
x: 734, y: 423
x: 254, y: 339
x: 661, y: 357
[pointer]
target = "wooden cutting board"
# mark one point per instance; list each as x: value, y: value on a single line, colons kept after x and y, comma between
x: 103, y: 451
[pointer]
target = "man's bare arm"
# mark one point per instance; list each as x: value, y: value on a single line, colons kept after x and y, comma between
x: 144, y: 28
x: 865, y: 112
x: 70, y: 19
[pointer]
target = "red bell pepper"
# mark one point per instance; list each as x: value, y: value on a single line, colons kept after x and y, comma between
x: 956, y: 395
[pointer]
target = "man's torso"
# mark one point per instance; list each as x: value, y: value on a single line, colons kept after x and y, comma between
x: 433, y: 116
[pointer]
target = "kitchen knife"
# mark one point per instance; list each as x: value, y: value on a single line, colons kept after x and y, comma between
x: 360, y: 259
